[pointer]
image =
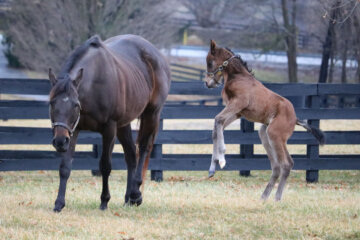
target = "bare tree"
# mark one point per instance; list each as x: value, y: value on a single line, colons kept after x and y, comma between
x: 207, y: 12
x: 290, y: 37
x: 44, y: 32
x: 342, y: 19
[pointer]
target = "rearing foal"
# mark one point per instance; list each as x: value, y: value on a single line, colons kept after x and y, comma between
x: 246, y: 97
x: 102, y: 87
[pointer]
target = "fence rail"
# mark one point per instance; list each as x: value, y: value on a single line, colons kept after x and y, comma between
x: 307, y: 100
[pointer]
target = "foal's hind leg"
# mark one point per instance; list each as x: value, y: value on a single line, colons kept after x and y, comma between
x: 278, y: 133
x: 125, y: 137
x: 147, y: 132
x: 108, y: 140
x: 285, y: 172
x: 275, y: 166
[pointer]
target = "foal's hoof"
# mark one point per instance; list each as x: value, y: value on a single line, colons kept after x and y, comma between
x: 222, y: 163
x: 136, y: 202
x: 211, y: 174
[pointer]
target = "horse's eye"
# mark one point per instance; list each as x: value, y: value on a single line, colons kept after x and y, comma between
x: 209, y: 65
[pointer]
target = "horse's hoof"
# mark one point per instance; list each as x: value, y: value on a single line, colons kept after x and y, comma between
x: 103, y: 207
x: 58, y: 207
x: 57, y: 210
x: 136, y: 202
x: 222, y: 163
x: 211, y: 174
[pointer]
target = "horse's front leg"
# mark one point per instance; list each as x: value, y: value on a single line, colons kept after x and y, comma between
x: 108, y: 140
x: 125, y: 137
x: 222, y: 120
x: 64, y: 172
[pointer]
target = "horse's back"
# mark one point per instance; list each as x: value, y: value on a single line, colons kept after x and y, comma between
x: 134, y: 47
x: 140, y: 52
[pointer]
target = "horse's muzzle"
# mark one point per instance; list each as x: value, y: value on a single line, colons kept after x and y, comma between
x: 61, y: 144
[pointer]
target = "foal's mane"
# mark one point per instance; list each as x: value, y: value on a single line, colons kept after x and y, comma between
x: 242, y: 62
x: 64, y: 81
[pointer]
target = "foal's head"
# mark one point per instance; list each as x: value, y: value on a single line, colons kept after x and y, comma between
x: 64, y: 108
x: 216, y: 60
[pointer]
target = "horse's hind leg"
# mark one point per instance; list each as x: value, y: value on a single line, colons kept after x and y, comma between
x: 64, y: 172
x: 275, y: 166
x: 286, y: 167
x: 278, y: 132
x: 148, y: 128
x: 125, y: 137
x: 108, y: 140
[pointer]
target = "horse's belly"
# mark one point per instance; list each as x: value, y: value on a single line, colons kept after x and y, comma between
x: 254, y: 116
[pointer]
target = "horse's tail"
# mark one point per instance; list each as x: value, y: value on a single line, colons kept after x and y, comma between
x: 318, y: 134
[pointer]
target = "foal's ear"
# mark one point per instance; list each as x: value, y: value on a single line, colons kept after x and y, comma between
x: 78, y: 77
x: 52, y: 77
x: 212, y: 46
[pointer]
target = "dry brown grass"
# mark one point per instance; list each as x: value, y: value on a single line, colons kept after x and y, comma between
x: 185, y: 206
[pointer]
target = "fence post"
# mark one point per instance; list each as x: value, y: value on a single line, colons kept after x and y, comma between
x: 246, y: 150
x: 201, y: 75
x: 312, y: 150
x: 157, y: 174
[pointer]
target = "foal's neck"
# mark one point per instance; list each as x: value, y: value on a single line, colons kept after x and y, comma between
x: 234, y: 70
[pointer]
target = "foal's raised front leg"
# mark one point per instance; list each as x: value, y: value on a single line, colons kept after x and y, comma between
x: 64, y: 172
x: 229, y: 114
x: 108, y: 140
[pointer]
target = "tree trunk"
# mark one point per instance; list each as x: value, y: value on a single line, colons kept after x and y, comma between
x: 331, y: 69
x: 328, y: 44
x: 356, y: 27
x: 290, y: 39
x: 344, y: 59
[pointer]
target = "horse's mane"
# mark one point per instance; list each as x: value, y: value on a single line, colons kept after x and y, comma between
x: 242, y: 62
x: 62, y: 85
x: 64, y: 81
x: 70, y: 62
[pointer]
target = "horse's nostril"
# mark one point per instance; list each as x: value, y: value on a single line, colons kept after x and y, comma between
x: 53, y: 142
x: 66, y: 140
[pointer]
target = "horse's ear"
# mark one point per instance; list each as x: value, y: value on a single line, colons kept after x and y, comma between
x: 52, y: 77
x: 78, y: 77
x: 212, y: 46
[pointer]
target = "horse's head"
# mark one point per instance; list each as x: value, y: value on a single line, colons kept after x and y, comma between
x: 216, y: 61
x: 64, y: 108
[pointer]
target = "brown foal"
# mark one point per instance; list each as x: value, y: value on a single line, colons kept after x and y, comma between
x: 246, y: 97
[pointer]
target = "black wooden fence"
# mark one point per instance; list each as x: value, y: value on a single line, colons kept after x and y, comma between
x: 180, y: 72
x: 308, y: 101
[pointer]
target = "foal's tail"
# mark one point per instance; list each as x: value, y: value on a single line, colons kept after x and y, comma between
x: 318, y: 134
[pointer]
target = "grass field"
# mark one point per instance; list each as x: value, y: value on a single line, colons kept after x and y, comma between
x: 185, y: 206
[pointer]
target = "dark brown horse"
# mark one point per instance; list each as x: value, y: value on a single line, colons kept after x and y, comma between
x: 246, y: 97
x: 102, y: 87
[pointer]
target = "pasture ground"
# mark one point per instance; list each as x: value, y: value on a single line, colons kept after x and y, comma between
x: 186, y: 205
